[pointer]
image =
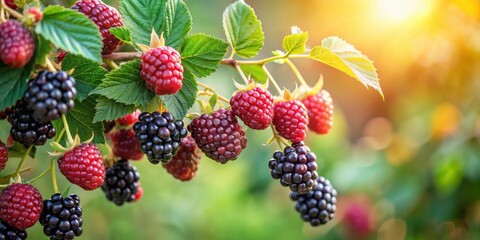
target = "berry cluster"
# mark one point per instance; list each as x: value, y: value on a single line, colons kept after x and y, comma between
x: 121, y: 182
x: 184, y: 164
x: 61, y: 217
x: 16, y: 44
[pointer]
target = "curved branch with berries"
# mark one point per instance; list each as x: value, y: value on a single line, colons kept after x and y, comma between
x: 60, y: 72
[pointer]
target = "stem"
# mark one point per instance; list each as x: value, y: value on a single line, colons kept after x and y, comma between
x: 39, y: 176
x: 123, y: 56
x: 207, y: 88
x: 232, y: 54
x: 23, y: 160
x: 276, y: 137
x: 239, y: 70
x: 2, y: 14
x: 6, y: 178
x: 67, y: 130
x: 111, y: 64
x: 279, y: 90
x: 206, y: 93
x: 12, y: 12
x: 49, y: 65
x: 54, y: 176
x: 296, y: 72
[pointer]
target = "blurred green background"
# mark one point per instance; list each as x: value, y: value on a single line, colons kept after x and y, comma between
x: 407, y: 167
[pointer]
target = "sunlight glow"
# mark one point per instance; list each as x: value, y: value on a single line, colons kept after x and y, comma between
x: 399, y: 10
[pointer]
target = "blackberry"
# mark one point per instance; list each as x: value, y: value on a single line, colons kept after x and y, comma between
x: 61, y: 217
x: 317, y: 206
x: 121, y: 182
x: 50, y: 95
x: 184, y: 164
x: 295, y: 167
x: 159, y: 135
x: 10, y: 233
x: 219, y: 135
x: 25, y: 129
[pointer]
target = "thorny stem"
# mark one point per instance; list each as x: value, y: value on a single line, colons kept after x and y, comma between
x: 279, y: 90
x: 10, y: 11
x: 23, y: 160
x: 296, y: 72
x: 67, y: 129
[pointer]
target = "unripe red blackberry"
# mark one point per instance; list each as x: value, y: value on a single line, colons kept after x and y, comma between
x: 290, y: 120
x: 159, y: 135
x: 3, y: 155
x: 9, y: 233
x: 320, y: 112
x: 184, y: 164
x: 219, y: 135
x: 20, y: 205
x: 121, y: 182
x: 83, y: 166
x: 317, y: 206
x: 25, y: 129
x: 295, y: 167
x: 254, y: 107
x: 16, y: 44
x: 50, y: 95
x: 11, y: 4
x: 105, y: 17
x: 129, y: 119
x: 162, y: 70
x: 61, y: 217
x: 125, y: 144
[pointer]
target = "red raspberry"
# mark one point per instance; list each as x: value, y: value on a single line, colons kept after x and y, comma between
x: 359, y: 220
x: 320, y: 112
x: 129, y: 119
x: 16, y: 44
x: 11, y: 4
x: 290, y: 120
x: 35, y: 14
x: 3, y: 155
x: 20, y: 205
x: 184, y: 164
x: 219, y: 135
x: 125, y: 145
x: 105, y: 17
x: 83, y: 166
x: 162, y: 70
x: 254, y: 107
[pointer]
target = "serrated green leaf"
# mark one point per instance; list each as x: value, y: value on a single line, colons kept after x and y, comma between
x: 256, y: 72
x: 107, y: 109
x: 178, y: 23
x: 123, y: 34
x: 71, y: 31
x: 13, y: 83
x: 343, y: 56
x: 295, y: 43
x: 88, y: 74
x: 42, y: 49
x: 124, y: 85
x: 201, y: 54
x: 179, y: 103
x: 140, y: 17
x: 243, y: 29
x: 80, y: 121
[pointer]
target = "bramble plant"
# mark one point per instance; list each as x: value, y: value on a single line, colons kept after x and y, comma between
x: 62, y: 78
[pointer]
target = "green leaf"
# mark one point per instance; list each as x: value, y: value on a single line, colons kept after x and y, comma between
x: 107, y: 109
x: 213, y: 101
x: 256, y: 72
x: 71, y: 31
x: 88, y: 74
x: 152, y: 106
x: 140, y: 17
x: 243, y: 29
x: 343, y: 56
x: 295, y: 43
x: 13, y: 83
x: 179, y: 103
x: 43, y: 48
x: 123, y: 34
x: 178, y: 23
x: 124, y: 85
x: 202, y: 53
x: 80, y: 121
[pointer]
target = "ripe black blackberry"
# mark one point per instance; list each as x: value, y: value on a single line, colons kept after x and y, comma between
x: 121, y: 182
x: 319, y: 205
x: 295, y: 167
x: 61, y: 217
x: 10, y: 233
x: 159, y: 135
x: 50, y: 95
x: 25, y: 129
